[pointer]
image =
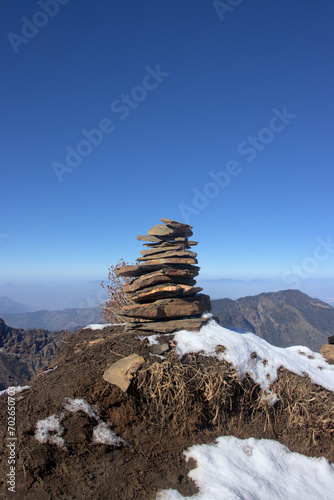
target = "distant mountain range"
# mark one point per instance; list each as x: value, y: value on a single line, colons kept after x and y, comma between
x: 284, y: 318
x: 8, y: 305
x: 69, y: 319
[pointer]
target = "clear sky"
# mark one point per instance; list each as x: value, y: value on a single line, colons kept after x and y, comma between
x: 118, y: 113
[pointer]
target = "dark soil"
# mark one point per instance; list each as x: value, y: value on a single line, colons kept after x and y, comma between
x: 155, y: 432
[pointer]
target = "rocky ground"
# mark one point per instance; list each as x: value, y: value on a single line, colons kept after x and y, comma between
x: 170, y: 405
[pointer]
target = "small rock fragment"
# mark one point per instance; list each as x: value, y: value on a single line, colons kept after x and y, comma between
x: 121, y: 372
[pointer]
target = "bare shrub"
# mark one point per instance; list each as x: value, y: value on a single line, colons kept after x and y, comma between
x: 117, y: 298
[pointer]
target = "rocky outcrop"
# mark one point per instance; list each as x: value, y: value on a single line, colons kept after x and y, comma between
x: 24, y: 353
x: 162, y: 286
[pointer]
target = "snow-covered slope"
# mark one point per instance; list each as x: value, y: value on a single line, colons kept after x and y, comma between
x: 251, y: 469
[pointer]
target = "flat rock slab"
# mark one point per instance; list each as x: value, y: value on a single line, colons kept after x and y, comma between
x: 157, y: 277
x: 169, y: 308
x: 170, y: 253
x: 138, y: 270
x: 159, y: 249
x: 153, y: 238
x: 163, y: 243
x: 190, y: 324
x: 163, y: 290
x: 121, y: 372
x: 163, y: 230
x: 169, y: 260
x: 327, y: 350
x: 175, y: 224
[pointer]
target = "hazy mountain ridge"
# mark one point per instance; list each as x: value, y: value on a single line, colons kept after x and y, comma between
x: 8, y: 305
x: 284, y: 318
x: 69, y: 319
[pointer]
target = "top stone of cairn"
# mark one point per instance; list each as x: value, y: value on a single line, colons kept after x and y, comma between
x: 168, y: 230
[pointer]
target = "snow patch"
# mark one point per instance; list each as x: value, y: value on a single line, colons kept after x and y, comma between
x: 252, y: 469
x: 75, y: 405
x: 98, y: 326
x: 49, y: 370
x: 14, y: 390
x: 102, y: 434
x: 50, y: 429
x: 253, y: 355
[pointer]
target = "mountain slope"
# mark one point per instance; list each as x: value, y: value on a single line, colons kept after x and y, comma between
x: 284, y: 318
x: 23, y: 353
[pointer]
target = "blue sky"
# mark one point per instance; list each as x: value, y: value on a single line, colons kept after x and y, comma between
x: 183, y: 93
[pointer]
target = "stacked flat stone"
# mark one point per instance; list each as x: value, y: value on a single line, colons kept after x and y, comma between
x: 163, y: 283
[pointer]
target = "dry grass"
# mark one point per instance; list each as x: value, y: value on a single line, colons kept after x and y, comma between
x: 201, y: 392
x: 305, y: 405
x: 178, y: 393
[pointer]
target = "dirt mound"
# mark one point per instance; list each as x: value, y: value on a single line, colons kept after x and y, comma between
x: 171, y: 404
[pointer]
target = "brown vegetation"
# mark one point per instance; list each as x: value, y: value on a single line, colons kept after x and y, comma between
x: 117, y: 298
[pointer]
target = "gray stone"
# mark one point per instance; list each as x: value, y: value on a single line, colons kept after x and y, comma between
x: 159, y: 348
x: 121, y: 372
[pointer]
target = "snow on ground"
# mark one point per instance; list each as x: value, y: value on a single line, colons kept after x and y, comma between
x: 251, y: 469
x: 240, y: 350
x: 99, y: 326
x: 11, y: 391
x: 49, y: 370
x: 104, y: 435
x: 50, y: 430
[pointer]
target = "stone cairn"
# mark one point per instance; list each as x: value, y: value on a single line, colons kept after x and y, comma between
x: 163, y: 283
